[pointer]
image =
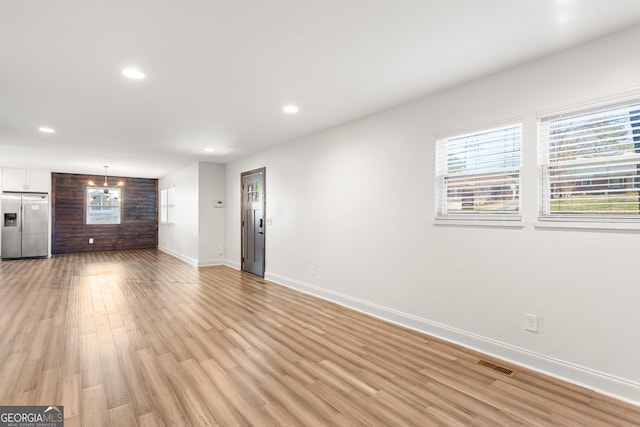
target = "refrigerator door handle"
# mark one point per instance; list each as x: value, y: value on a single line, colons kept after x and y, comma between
x: 21, y: 219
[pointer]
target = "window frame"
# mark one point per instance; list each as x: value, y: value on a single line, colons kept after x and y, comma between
x: 574, y: 219
x: 167, y: 206
x: 100, y: 190
x: 443, y: 216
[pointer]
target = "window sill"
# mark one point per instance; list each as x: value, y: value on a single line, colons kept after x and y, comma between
x: 588, y: 225
x: 487, y: 223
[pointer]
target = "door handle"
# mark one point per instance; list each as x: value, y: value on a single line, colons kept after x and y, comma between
x: 260, y: 223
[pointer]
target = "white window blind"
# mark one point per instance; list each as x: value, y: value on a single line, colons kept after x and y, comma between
x: 478, y: 174
x: 167, y: 205
x: 590, y: 164
x: 163, y: 207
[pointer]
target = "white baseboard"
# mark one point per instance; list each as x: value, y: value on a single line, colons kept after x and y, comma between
x: 607, y: 384
x: 210, y: 262
x: 232, y: 264
x: 180, y: 256
x: 193, y: 261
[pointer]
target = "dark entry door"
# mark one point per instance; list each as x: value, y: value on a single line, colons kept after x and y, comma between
x: 253, y: 221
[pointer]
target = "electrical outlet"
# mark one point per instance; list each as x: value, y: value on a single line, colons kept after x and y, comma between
x: 220, y: 251
x: 531, y: 322
x: 91, y: 241
x: 312, y: 270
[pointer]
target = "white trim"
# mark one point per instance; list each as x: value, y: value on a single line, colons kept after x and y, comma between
x: 466, y: 130
x: 210, y: 262
x: 620, y: 103
x: 587, y: 225
x: 193, y: 261
x: 506, y: 223
x: 601, y: 382
x: 622, y: 97
x: 233, y: 264
x: 442, y: 147
x: 180, y: 256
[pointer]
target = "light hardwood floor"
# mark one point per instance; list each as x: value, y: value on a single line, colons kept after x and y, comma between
x: 140, y: 338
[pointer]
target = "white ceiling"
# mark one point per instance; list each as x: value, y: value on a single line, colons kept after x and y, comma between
x: 219, y: 72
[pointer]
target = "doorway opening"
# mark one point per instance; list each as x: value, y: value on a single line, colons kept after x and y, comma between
x: 253, y: 207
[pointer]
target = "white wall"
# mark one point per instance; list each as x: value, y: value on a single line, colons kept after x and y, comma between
x: 357, y: 203
x: 198, y: 230
x: 210, y: 218
x: 181, y: 238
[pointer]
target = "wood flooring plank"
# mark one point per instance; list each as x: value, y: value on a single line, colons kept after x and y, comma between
x: 22, y: 398
x: 27, y: 378
x: 249, y: 387
x: 194, y: 408
x: 320, y: 374
x: 168, y: 406
x: 71, y: 396
x: 281, y: 416
x: 310, y: 399
x: 53, y: 352
x: 112, y: 379
x: 213, y: 397
x: 39, y: 340
x: 137, y: 388
x: 90, y: 361
x: 381, y: 413
x: 122, y: 416
x: 291, y: 402
x: 240, y: 409
x: 94, y: 407
x: 73, y: 421
x: 348, y: 377
x: 47, y: 387
x: 150, y: 419
x: 9, y: 374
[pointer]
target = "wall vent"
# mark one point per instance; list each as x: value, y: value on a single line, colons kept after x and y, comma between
x: 500, y: 369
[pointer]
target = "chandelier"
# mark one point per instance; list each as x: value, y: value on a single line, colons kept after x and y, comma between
x: 105, y: 184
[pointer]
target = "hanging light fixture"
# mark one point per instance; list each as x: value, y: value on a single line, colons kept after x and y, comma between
x: 105, y: 184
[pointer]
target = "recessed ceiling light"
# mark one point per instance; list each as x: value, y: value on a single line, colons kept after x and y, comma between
x: 46, y: 130
x: 290, y: 109
x: 133, y: 73
x: 209, y: 150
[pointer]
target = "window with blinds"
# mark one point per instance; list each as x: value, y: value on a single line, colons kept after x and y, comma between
x: 167, y: 205
x: 478, y: 175
x: 590, y: 164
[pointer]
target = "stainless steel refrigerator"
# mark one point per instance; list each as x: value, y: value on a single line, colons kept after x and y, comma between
x: 25, y: 225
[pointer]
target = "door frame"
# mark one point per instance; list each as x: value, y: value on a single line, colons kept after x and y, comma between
x: 264, y: 215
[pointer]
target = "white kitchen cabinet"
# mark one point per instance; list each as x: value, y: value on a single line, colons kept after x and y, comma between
x: 27, y: 180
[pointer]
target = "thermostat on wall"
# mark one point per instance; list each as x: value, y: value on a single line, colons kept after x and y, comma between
x: 218, y: 204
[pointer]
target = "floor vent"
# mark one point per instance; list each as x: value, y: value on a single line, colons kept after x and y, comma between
x: 500, y: 369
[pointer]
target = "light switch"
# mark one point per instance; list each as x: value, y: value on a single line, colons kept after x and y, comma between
x: 531, y: 322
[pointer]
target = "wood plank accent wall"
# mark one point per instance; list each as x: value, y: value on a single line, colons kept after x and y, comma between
x: 139, y: 218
